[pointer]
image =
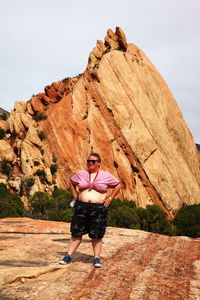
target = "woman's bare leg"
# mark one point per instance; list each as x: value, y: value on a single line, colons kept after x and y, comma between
x: 73, y: 244
x: 97, y: 246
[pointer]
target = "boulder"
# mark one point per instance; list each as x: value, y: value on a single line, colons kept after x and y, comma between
x: 4, y: 125
x: 6, y: 151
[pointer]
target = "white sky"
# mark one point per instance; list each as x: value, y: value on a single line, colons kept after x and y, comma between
x: 43, y: 41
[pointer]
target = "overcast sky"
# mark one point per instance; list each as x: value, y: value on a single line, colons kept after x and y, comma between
x: 43, y: 41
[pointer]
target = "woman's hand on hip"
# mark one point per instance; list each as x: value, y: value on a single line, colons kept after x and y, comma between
x: 107, y: 201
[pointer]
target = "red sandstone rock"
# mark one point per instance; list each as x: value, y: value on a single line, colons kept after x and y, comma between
x: 122, y: 108
x: 137, y: 265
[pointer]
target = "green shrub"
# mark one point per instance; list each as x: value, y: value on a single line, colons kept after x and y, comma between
x: 124, y: 217
x: 26, y: 186
x: 122, y: 214
x: 5, y: 167
x: 4, y: 116
x: 41, y: 203
x: 3, y: 190
x: 153, y: 219
x: 53, y: 169
x: 187, y: 221
x: 62, y: 215
x: 10, y: 204
x: 41, y: 135
x: 55, y: 207
x: 2, y: 133
x: 42, y: 175
x: 65, y: 80
x: 54, y: 159
x: 125, y: 214
x: 39, y: 117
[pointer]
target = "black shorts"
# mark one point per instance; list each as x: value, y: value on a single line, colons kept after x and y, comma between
x: 89, y: 218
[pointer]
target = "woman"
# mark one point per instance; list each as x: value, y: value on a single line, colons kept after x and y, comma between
x: 91, y: 206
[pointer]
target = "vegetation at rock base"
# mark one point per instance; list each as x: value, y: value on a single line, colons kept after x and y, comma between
x: 10, y: 204
x: 26, y: 185
x: 123, y: 214
x: 55, y: 207
x: 187, y: 221
x: 2, y: 133
x: 126, y: 215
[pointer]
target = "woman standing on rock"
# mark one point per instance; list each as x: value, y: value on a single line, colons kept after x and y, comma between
x: 91, y: 207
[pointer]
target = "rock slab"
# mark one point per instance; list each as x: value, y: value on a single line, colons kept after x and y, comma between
x: 137, y: 265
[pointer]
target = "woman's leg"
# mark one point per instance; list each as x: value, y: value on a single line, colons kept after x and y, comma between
x: 97, y: 246
x: 73, y: 244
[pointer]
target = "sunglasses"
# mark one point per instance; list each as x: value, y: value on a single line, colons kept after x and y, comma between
x: 93, y: 161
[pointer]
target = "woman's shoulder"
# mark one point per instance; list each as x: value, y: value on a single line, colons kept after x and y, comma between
x: 104, y: 173
x: 82, y: 172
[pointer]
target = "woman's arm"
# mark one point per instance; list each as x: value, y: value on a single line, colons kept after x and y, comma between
x: 112, y: 195
x: 73, y: 190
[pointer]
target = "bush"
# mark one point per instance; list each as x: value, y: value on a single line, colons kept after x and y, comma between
x: 54, y: 159
x: 5, y: 167
x: 2, y: 133
x: 10, y: 204
x: 53, y: 169
x: 41, y: 135
x: 42, y: 175
x: 39, y: 117
x: 187, y: 221
x: 125, y: 214
x: 26, y: 186
x: 124, y: 217
x: 153, y: 219
x: 55, y: 207
x: 63, y: 215
x: 122, y: 214
x: 4, y: 116
x: 41, y: 203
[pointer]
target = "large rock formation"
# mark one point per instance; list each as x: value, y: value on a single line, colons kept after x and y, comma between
x: 121, y: 108
x: 137, y: 265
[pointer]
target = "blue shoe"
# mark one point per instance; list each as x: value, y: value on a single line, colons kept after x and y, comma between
x: 66, y: 259
x: 97, y: 262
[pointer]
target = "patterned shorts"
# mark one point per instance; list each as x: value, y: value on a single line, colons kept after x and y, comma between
x: 89, y: 218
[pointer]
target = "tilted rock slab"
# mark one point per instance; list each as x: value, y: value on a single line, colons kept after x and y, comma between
x: 121, y: 108
x: 136, y: 264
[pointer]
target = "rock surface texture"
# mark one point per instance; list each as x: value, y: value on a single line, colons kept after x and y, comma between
x: 121, y: 108
x: 137, y: 265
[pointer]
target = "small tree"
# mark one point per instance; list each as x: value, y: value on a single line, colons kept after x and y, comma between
x: 5, y: 167
x: 40, y: 203
x: 4, y: 116
x: 124, y: 217
x: 10, y: 204
x: 41, y: 135
x: 26, y: 186
x: 42, y: 175
x: 39, y: 117
x: 53, y: 169
x: 153, y: 219
x: 187, y: 221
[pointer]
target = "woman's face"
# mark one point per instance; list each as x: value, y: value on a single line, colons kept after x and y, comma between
x: 93, y: 164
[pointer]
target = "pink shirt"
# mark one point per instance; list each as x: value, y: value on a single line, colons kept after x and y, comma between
x: 101, y: 183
